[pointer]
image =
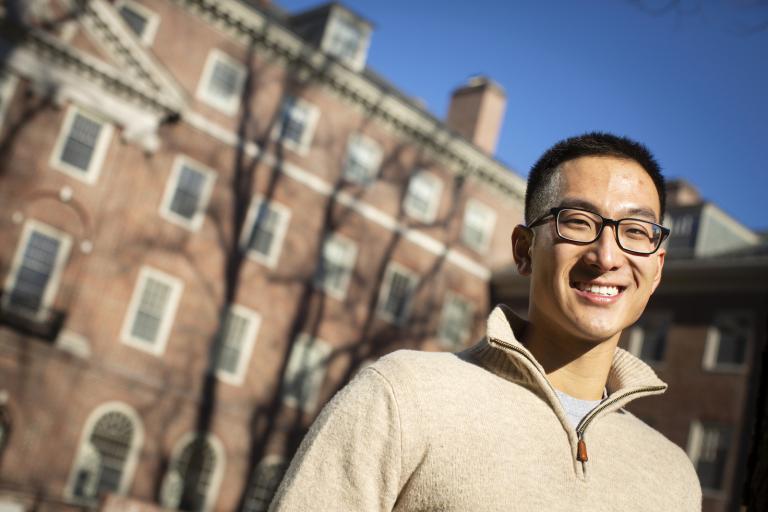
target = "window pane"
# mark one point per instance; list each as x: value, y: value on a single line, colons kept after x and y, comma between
x: 335, y: 265
x: 399, y: 295
x: 345, y: 40
x: 111, y: 438
x: 189, y: 189
x: 713, y: 453
x: 294, y: 122
x: 194, y: 468
x: 734, y: 332
x: 225, y: 81
x: 455, y: 322
x: 233, y: 336
x: 149, y: 315
x: 654, y: 339
x: 81, y: 142
x: 266, y: 480
x: 264, y: 230
x: 35, y: 272
x: 305, y: 372
x: 135, y: 21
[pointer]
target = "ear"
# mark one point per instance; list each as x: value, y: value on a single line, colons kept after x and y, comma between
x: 522, y: 245
x: 661, y: 255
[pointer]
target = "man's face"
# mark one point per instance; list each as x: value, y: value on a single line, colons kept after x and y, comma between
x: 592, y: 292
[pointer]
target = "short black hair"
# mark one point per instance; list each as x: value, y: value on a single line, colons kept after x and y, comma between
x: 538, y: 193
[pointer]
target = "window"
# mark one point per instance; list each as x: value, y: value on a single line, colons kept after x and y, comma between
x: 264, y: 229
x: 221, y: 85
x: 81, y: 146
x: 36, y: 270
x: 345, y: 40
x: 139, y: 19
x: 151, y: 310
x: 362, y: 161
x: 423, y: 196
x: 305, y: 372
x: 455, y: 322
x: 194, y: 474
x: 727, y: 341
x: 238, y: 336
x: 336, y: 264
x: 7, y: 87
x: 708, y: 445
x: 266, y: 480
x: 296, y: 124
x: 648, y: 339
x: 396, y: 293
x: 187, y: 193
x: 108, y: 453
x: 479, y: 221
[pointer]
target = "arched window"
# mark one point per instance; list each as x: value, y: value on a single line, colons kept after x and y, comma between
x: 107, y: 454
x: 264, y: 483
x: 193, y: 477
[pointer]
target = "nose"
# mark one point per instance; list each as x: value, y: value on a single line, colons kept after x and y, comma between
x: 604, y: 254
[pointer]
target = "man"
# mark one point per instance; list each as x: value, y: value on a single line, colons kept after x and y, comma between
x: 531, y: 418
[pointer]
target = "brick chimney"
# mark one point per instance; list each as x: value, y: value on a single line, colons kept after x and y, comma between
x: 476, y: 112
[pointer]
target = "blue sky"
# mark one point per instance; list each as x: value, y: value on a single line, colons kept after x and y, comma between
x: 691, y: 83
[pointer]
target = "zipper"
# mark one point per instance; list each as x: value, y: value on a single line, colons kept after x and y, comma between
x: 581, y: 452
x: 581, y: 447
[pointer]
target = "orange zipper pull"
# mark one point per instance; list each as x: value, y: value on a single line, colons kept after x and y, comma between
x: 581, y: 451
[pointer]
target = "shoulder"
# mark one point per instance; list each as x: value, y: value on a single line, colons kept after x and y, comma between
x: 666, y: 453
x: 419, y: 368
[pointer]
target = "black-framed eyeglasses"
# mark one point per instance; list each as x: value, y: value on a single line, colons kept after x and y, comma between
x: 635, y: 236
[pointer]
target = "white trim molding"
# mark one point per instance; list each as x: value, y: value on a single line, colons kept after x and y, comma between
x: 305, y: 372
x: 481, y: 218
x: 736, y: 324
x: 401, y: 317
x: 340, y: 252
x: 169, y: 307
x: 425, y: 188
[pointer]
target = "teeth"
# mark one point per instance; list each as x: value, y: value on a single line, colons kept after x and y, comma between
x: 608, y: 291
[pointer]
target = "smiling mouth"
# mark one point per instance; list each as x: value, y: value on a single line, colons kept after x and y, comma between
x: 599, y: 290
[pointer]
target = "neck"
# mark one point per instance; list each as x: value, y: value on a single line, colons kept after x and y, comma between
x: 576, y: 367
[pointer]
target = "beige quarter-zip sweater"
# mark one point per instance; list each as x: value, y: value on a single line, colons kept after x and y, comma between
x: 483, y: 430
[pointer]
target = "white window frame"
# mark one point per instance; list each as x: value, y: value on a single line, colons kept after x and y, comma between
x: 8, y: 84
x: 437, y: 189
x: 51, y: 288
x: 694, y: 447
x: 153, y: 20
x: 196, y: 221
x: 382, y: 313
x: 358, y: 140
x: 712, y: 344
x: 486, y: 229
x: 132, y: 458
x: 157, y: 347
x: 312, y: 112
x: 348, y: 264
x: 637, y: 335
x: 227, y: 106
x: 275, y: 249
x: 91, y: 174
x: 451, y: 297
x: 357, y: 61
x: 301, y: 345
x: 218, y: 471
x: 246, y: 345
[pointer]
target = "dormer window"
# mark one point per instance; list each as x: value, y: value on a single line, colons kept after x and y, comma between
x: 345, y: 39
x: 139, y: 19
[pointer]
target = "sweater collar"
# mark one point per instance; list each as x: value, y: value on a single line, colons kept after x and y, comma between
x: 505, y: 328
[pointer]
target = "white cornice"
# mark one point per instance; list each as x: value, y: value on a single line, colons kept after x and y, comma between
x: 248, y: 25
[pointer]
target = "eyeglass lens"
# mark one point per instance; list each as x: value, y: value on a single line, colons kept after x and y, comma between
x: 634, y: 235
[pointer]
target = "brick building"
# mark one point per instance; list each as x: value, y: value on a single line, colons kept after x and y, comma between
x: 704, y: 333
x: 211, y: 215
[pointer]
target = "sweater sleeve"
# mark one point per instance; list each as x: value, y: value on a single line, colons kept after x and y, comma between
x: 351, y: 457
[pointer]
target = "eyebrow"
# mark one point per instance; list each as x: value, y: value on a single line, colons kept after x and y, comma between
x: 630, y: 212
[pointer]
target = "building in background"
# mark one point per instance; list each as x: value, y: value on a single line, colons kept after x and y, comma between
x: 704, y: 333
x: 212, y: 214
